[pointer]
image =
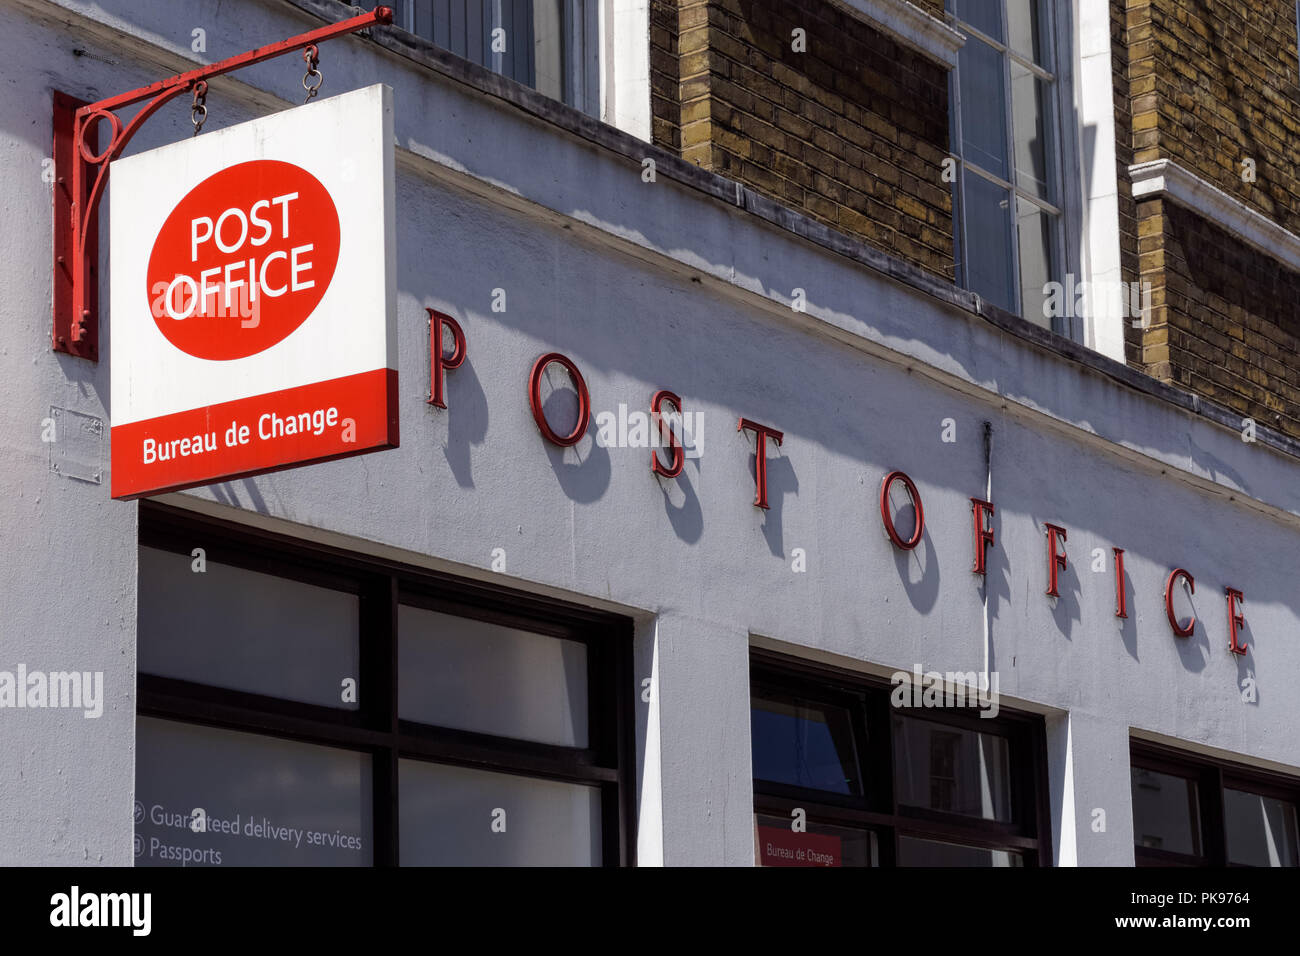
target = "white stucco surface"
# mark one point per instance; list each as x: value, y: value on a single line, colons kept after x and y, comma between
x: 648, y: 286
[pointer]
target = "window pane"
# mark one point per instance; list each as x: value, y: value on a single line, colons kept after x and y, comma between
x: 775, y: 844
x: 267, y: 802
x: 983, y: 15
x: 986, y: 214
x: 244, y: 630
x: 1030, y: 99
x: 916, y: 852
x: 472, y: 675
x: 1164, y: 812
x: 1026, y: 23
x: 805, y: 744
x: 454, y: 816
x: 534, y: 35
x: 1037, y: 231
x: 983, y: 107
x: 952, y: 769
x: 1261, y: 830
x: 548, y: 47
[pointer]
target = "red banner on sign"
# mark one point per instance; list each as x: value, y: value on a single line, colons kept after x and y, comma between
x: 250, y: 436
x: 778, y: 846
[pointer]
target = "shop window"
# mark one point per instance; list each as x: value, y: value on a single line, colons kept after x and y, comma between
x: 246, y: 629
x: 805, y: 744
x: 484, y: 677
x: 952, y: 769
x: 1190, y: 810
x: 305, y: 706
x: 550, y: 45
x: 843, y: 778
x: 1005, y: 138
x: 265, y: 801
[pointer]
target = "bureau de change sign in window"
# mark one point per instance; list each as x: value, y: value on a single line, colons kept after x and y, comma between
x: 254, y: 297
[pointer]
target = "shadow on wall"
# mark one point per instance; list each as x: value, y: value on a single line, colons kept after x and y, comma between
x: 682, y: 504
x: 781, y: 481
x: 467, y: 420
x: 583, y: 470
x: 918, y: 569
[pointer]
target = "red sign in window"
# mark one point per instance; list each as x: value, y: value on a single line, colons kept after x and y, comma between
x: 781, y: 847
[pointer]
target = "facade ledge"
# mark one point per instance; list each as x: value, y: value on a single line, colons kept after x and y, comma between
x: 1165, y: 178
x: 910, y: 25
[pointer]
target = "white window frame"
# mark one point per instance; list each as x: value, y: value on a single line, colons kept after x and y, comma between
x: 580, y: 32
x: 1063, y: 165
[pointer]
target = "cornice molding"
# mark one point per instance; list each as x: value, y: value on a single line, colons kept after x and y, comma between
x: 1164, y: 177
x: 910, y: 25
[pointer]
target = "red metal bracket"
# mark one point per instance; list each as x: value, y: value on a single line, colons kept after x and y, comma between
x: 76, y: 292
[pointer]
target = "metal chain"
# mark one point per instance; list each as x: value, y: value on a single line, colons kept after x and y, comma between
x: 199, y: 111
x: 311, y: 57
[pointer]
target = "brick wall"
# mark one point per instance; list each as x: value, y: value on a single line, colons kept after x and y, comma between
x: 1220, y: 86
x: 1206, y: 84
x: 1224, y: 322
x: 851, y: 132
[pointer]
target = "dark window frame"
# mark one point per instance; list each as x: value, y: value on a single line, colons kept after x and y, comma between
x: 878, y: 808
x: 1212, y: 775
x: 374, y: 727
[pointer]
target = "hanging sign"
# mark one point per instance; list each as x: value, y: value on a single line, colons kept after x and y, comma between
x: 254, y: 297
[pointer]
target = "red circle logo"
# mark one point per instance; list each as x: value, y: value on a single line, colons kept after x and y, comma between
x: 243, y: 260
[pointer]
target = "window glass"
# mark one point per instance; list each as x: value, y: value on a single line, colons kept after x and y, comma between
x: 804, y: 744
x: 1261, y: 830
x: 838, y: 768
x: 983, y: 15
x: 1036, y: 231
x: 472, y: 675
x: 952, y: 769
x: 264, y: 801
x: 983, y: 107
x: 243, y: 630
x: 1164, y: 812
x: 821, y: 844
x: 1030, y: 101
x: 913, y: 851
x: 1026, y: 21
x: 454, y: 816
x: 548, y: 47
x: 986, y: 211
x: 543, y: 39
x: 1005, y: 128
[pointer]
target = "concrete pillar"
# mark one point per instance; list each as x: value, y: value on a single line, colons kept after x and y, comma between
x: 1088, y: 780
x: 696, y: 794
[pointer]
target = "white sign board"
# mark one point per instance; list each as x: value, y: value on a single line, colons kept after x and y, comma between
x: 253, y: 308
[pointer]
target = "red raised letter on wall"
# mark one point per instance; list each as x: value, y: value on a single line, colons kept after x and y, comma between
x: 438, y: 361
x: 679, y: 453
x: 983, y: 532
x: 888, y: 518
x: 1236, y: 620
x: 535, y: 400
x: 762, y: 432
x: 1174, y: 575
x: 1121, y: 599
x: 1055, y: 559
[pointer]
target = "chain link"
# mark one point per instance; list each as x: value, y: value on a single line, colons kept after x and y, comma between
x: 199, y: 110
x: 311, y: 56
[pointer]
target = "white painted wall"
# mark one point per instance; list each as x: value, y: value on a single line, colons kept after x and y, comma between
x: 652, y: 286
x: 1095, y: 104
x: 625, y: 66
